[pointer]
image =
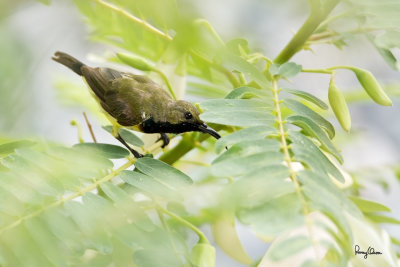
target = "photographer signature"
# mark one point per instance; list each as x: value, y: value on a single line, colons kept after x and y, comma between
x: 370, y: 251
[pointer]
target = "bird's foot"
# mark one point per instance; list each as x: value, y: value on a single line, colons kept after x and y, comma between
x: 136, y: 154
x: 133, y: 151
x: 164, y: 137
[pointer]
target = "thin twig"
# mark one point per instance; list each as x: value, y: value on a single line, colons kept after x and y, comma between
x: 89, y: 127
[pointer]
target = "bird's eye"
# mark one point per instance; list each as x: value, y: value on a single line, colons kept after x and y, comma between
x: 188, y: 115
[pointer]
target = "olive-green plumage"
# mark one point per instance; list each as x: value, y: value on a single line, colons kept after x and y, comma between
x: 135, y: 100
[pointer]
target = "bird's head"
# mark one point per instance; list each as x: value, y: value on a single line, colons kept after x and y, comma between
x: 184, y: 117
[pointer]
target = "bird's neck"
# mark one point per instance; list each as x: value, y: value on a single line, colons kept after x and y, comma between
x: 151, y: 126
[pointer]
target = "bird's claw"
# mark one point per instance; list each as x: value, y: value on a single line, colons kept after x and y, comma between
x: 164, y: 137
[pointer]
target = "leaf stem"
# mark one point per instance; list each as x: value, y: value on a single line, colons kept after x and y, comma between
x: 203, y: 238
x: 341, y: 67
x: 289, y: 163
x: 325, y: 71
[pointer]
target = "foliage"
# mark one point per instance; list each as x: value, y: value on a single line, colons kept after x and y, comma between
x: 276, y: 168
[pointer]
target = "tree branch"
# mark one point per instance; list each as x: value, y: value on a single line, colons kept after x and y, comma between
x: 317, y: 16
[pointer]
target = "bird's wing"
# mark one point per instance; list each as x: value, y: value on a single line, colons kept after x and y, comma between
x: 124, y: 101
x: 129, y: 98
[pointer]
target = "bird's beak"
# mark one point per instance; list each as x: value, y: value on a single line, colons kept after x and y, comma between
x: 204, y: 128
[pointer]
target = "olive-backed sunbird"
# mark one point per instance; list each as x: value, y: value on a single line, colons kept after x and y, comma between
x: 136, y: 102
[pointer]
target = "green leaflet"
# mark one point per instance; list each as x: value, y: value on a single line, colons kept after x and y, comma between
x: 136, y: 239
x: 25, y: 251
x: 389, y: 57
x: 367, y: 205
x: 153, y: 186
x: 286, y: 70
x: 384, y: 43
x: 64, y: 229
x: 383, y: 219
x: 8, y: 148
x: 237, y: 112
x: 251, y: 133
x: 274, y: 217
x: 87, y: 221
x: 37, y: 228
x: 86, y: 163
x: 127, y: 206
x: 381, y: 15
x: 238, y: 46
x: 106, y: 150
x: 157, y: 178
x: 234, y: 62
x: 288, y: 247
x: 160, y: 170
x: 206, y: 90
x: 199, y: 68
x: 305, y: 111
x: 248, y: 92
x: 14, y: 206
x: 307, y: 96
x: 152, y: 257
x: 342, y: 239
x: 245, y: 156
x: 308, y: 153
x: 36, y: 179
x: 20, y: 191
x: 312, y: 129
x: 261, y: 185
x: 131, y: 138
x: 326, y: 197
x: 108, y: 23
x: 127, y: 135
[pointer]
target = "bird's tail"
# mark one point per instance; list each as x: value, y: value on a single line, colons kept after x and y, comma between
x: 69, y: 62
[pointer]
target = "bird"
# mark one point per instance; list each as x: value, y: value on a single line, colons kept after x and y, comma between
x: 136, y: 102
